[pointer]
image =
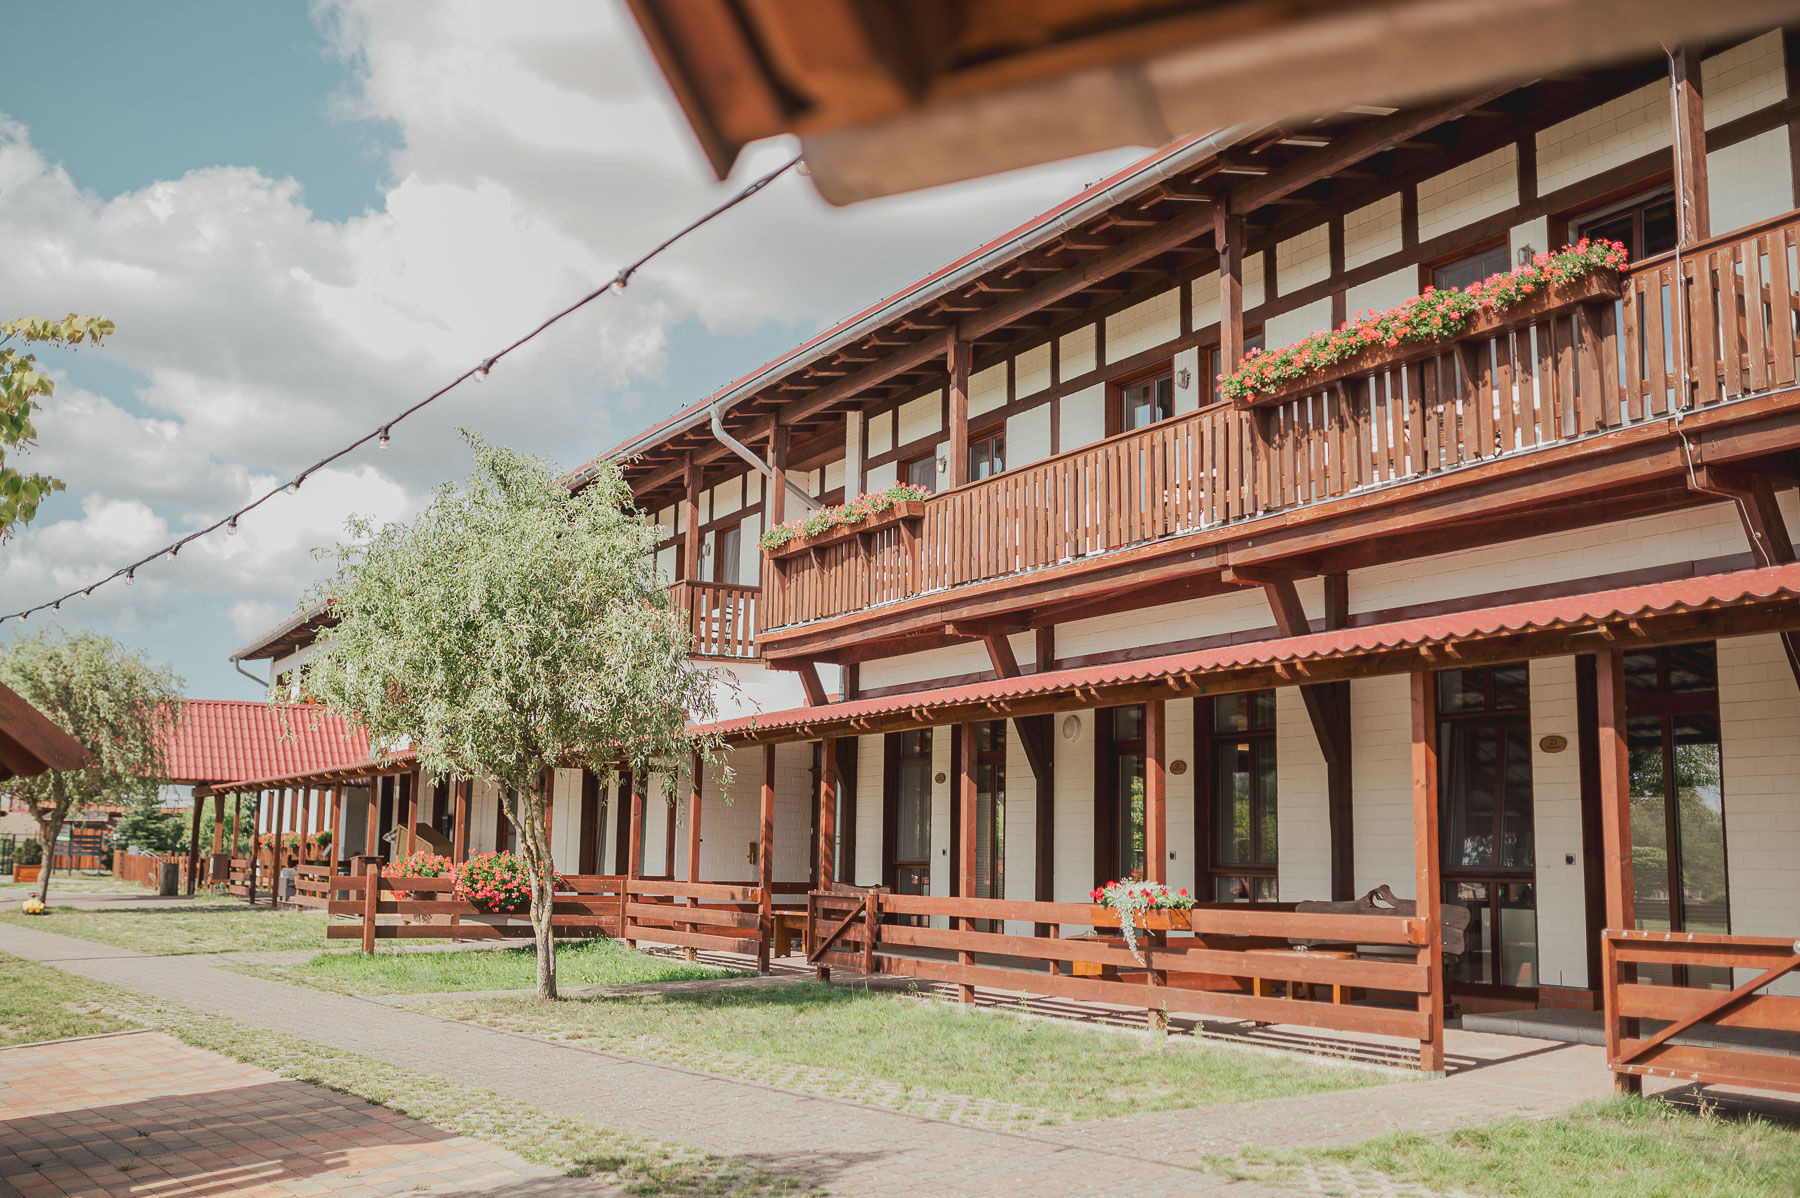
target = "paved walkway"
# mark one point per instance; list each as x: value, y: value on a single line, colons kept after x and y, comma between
x: 854, y: 1149
x: 142, y: 1113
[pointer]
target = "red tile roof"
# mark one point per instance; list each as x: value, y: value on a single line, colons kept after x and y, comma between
x: 222, y: 740
x: 1706, y: 592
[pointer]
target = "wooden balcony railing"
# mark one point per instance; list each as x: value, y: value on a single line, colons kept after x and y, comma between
x: 1720, y: 315
x: 721, y: 617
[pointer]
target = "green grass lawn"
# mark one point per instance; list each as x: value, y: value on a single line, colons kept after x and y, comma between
x: 594, y: 963
x: 32, y: 1007
x: 40, y: 1003
x: 168, y: 931
x: 925, y: 1057
x: 61, y: 883
x: 1622, y: 1148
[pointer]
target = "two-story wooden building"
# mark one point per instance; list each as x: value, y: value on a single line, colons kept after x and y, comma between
x: 1505, y: 620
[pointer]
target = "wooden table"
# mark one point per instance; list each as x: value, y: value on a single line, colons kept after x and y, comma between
x: 789, y: 925
x: 1340, y: 994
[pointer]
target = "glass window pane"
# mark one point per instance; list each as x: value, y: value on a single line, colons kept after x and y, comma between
x: 1130, y: 783
x: 1265, y: 890
x: 1641, y: 673
x: 914, y: 832
x: 990, y: 817
x: 1701, y: 824
x: 1232, y: 798
x: 1512, y: 687
x: 1649, y: 828
x: 1461, y: 691
x: 922, y: 472
x: 1127, y: 723
x: 1476, y: 965
x: 1518, y: 933
x: 1659, y: 228
x: 1516, y: 838
x: 1263, y: 758
x: 1469, y: 761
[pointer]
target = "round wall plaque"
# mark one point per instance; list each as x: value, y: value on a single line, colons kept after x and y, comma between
x: 1178, y: 768
x: 1071, y: 727
x: 1553, y: 743
x: 942, y: 776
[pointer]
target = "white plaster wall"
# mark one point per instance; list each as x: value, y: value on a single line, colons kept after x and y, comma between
x: 1239, y: 611
x: 1083, y: 417
x: 1256, y: 285
x: 922, y: 417
x: 1759, y: 713
x: 750, y: 530
x: 1203, y: 295
x: 1743, y: 79
x: 943, y: 867
x: 1556, y: 819
x: 1028, y: 436
x: 1304, y: 824
x: 878, y: 434
x: 728, y: 818
x: 1074, y: 808
x: 1381, y: 782
x: 883, y: 476
x: 1577, y: 555
x: 1031, y: 372
x: 747, y: 688
x: 1303, y: 259
x: 965, y: 658
x: 1292, y: 325
x: 1533, y: 235
x: 871, y: 767
x: 1021, y: 828
x: 1464, y: 194
x: 1181, y: 803
x: 1187, y: 398
x: 1143, y: 326
x: 1395, y: 287
x: 1750, y: 181
x: 987, y: 389
x: 1075, y: 352
x: 1372, y: 232
x: 484, y: 813
x: 1616, y: 132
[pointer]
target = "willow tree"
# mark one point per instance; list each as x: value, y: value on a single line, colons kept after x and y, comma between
x: 22, y: 381
x: 510, y: 628
x: 119, y: 704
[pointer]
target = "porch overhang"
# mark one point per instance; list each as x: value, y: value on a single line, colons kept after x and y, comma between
x: 30, y: 743
x: 1726, y: 604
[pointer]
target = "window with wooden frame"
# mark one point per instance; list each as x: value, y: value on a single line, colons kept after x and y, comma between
x: 1141, y: 401
x: 1646, y: 223
x: 920, y: 472
x: 906, y: 812
x: 1237, y: 747
x: 987, y: 453
x: 1119, y: 794
x: 1469, y: 267
x: 1214, y: 363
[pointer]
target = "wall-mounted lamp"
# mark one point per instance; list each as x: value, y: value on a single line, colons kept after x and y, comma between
x: 943, y: 464
x: 1525, y: 253
x: 1183, y: 377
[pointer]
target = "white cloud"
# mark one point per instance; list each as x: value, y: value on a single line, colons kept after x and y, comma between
x: 535, y: 157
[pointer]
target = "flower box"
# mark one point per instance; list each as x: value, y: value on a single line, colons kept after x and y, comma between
x: 1552, y: 301
x: 903, y: 509
x: 26, y: 873
x: 1163, y: 919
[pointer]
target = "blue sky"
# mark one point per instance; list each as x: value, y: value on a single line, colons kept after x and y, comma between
x: 303, y: 219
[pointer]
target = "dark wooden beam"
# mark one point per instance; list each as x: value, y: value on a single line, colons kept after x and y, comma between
x: 1692, y: 208
x: 1759, y: 511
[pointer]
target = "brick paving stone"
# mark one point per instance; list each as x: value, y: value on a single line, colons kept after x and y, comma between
x: 117, y: 1115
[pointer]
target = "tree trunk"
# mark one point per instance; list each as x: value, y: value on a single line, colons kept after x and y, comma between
x: 534, y: 847
x: 47, y: 834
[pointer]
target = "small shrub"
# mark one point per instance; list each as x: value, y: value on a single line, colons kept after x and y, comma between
x: 29, y: 852
x: 498, y: 883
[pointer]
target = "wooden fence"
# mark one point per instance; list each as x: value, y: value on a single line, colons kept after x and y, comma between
x: 722, y: 917
x: 1718, y: 1018
x: 1544, y: 374
x: 145, y: 869
x: 721, y: 617
x: 1211, y: 970
x: 593, y: 906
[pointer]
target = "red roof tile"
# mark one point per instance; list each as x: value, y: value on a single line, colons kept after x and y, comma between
x: 222, y: 740
x: 1569, y: 611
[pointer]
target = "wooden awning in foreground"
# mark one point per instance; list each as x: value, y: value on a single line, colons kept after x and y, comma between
x: 1694, y: 608
x: 30, y: 743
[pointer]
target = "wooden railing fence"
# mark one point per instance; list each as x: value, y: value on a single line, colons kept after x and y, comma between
x: 1723, y: 312
x: 721, y: 616
x: 718, y: 916
x: 593, y: 906
x: 1718, y: 1019
x: 1204, y: 972
x: 145, y: 869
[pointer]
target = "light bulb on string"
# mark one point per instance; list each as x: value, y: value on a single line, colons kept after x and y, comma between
x: 385, y: 437
x: 173, y: 550
x: 56, y: 608
x: 618, y: 285
x: 293, y: 488
x: 481, y: 371
x: 231, y: 527
x: 131, y: 576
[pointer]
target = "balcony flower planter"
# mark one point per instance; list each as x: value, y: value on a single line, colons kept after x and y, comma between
x: 1164, y: 920
x: 902, y: 511
x: 1553, y: 301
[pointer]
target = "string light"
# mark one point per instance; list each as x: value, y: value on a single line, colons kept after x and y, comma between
x: 383, y: 432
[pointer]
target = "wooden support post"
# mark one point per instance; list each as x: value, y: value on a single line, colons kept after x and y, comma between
x: 967, y: 832
x: 218, y: 823
x: 669, y: 834
x: 277, y: 851
x: 1615, y: 839
x: 1156, y: 791
x: 255, y: 818
x: 1692, y: 206
x: 634, y: 851
x: 459, y: 826
x: 411, y: 782
x: 765, y: 863
x: 690, y: 523
x: 337, y: 826
x: 1228, y: 237
x: 372, y: 825
x: 237, y: 817
x: 810, y: 683
x: 827, y: 821
x: 193, y: 861
x: 696, y: 799
x: 957, y: 357
x: 1428, y: 886
x: 775, y: 493
x: 371, y: 896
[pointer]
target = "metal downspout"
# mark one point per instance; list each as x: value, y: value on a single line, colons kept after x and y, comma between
x: 807, y: 502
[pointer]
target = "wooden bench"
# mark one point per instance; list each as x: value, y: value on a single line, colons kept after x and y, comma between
x: 789, y: 926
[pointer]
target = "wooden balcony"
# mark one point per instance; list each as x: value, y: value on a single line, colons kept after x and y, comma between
x: 721, y: 617
x: 1588, y: 413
